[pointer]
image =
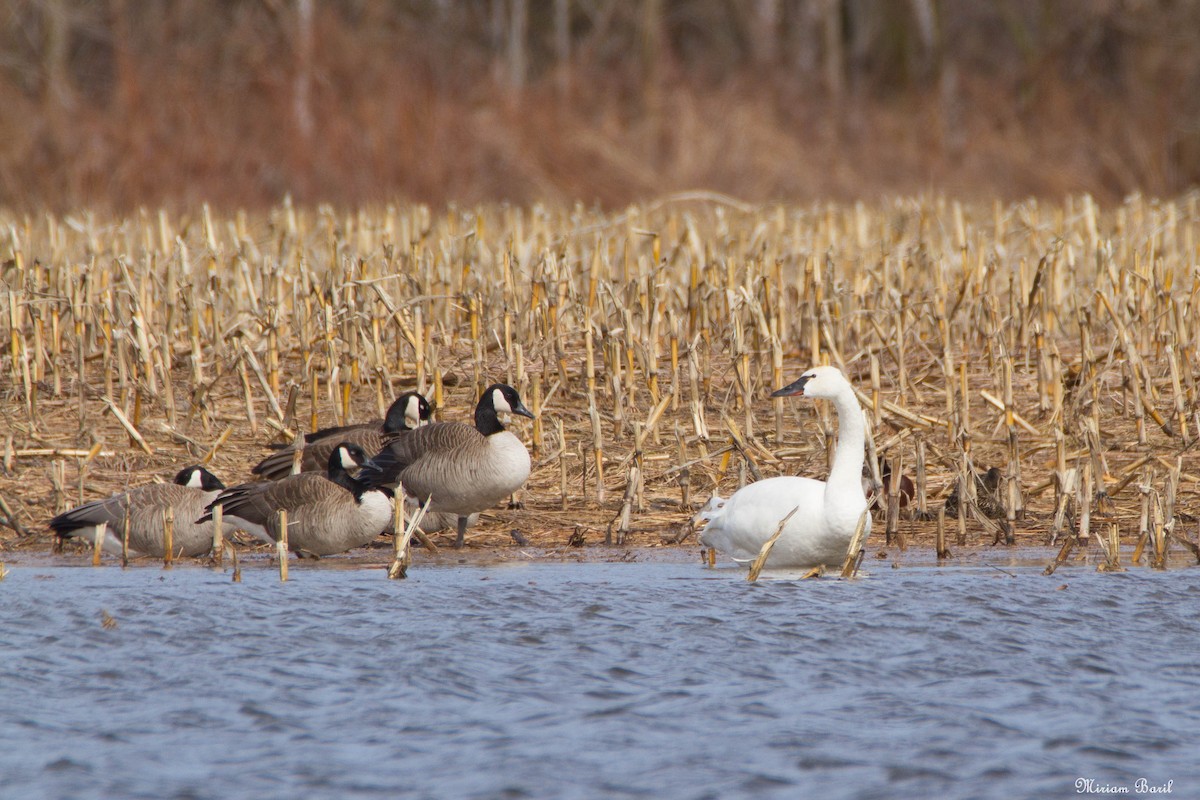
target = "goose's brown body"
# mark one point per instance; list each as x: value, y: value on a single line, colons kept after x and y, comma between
x: 460, y: 469
x: 326, y: 514
x: 144, y: 507
x: 409, y: 411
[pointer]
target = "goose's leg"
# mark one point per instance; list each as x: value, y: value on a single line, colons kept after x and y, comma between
x: 462, y: 533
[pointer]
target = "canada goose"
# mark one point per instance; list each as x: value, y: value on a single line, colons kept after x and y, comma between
x: 464, y: 469
x: 409, y: 411
x: 826, y: 512
x: 327, y: 514
x: 193, y: 488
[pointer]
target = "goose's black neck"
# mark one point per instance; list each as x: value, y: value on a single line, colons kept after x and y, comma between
x: 487, y: 421
x: 395, y: 421
x: 336, y: 471
x: 339, y: 475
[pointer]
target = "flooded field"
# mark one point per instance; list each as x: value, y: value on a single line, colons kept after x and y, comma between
x: 597, y: 680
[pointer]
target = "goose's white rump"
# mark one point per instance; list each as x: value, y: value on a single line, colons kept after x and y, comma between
x: 827, y: 512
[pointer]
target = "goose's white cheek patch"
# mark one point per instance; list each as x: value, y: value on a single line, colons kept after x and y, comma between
x: 499, y: 403
x: 412, y: 413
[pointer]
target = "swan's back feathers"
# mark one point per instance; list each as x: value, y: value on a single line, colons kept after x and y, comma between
x: 752, y: 514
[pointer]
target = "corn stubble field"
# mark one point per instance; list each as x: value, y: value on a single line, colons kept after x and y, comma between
x: 1057, y: 342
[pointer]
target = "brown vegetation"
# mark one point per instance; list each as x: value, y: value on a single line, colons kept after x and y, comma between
x: 113, y: 105
x: 1057, y: 342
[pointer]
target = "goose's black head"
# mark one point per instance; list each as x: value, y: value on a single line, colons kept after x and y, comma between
x: 345, y: 457
x: 197, y: 477
x: 411, y: 410
x: 498, y: 400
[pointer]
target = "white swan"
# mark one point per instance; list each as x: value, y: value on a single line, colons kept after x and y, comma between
x: 828, y: 511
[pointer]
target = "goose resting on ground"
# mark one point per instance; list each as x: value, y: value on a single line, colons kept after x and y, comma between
x: 828, y: 511
x: 193, y: 488
x: 410, y: 410
x: 327, y: 514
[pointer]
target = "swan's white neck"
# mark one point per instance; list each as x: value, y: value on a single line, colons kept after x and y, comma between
x: 846, y: 474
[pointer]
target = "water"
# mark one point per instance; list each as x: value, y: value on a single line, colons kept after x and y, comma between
x: 656, y: 680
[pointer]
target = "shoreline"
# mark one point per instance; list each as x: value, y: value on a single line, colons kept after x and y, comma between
x: 997, y: 557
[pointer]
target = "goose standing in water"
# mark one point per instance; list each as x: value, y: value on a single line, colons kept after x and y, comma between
x: 464, y: 469
x: 827, y: 514
x: 193, y: 488
x: 327, y: 514
x: 410, y: 410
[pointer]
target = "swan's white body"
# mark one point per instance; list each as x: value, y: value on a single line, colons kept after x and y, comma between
x: 827, y: 512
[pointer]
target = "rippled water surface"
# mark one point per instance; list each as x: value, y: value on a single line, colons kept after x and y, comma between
x: 596, y: 680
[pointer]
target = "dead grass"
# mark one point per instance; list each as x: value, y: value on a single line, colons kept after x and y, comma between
x: 215, y: 335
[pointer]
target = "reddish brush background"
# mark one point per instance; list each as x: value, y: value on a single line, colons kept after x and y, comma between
x: 118, y: 103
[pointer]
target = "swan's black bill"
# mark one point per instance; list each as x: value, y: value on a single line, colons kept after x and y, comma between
x: 795, y: 387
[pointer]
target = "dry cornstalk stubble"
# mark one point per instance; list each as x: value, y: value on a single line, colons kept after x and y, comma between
x: 1035, y: 338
